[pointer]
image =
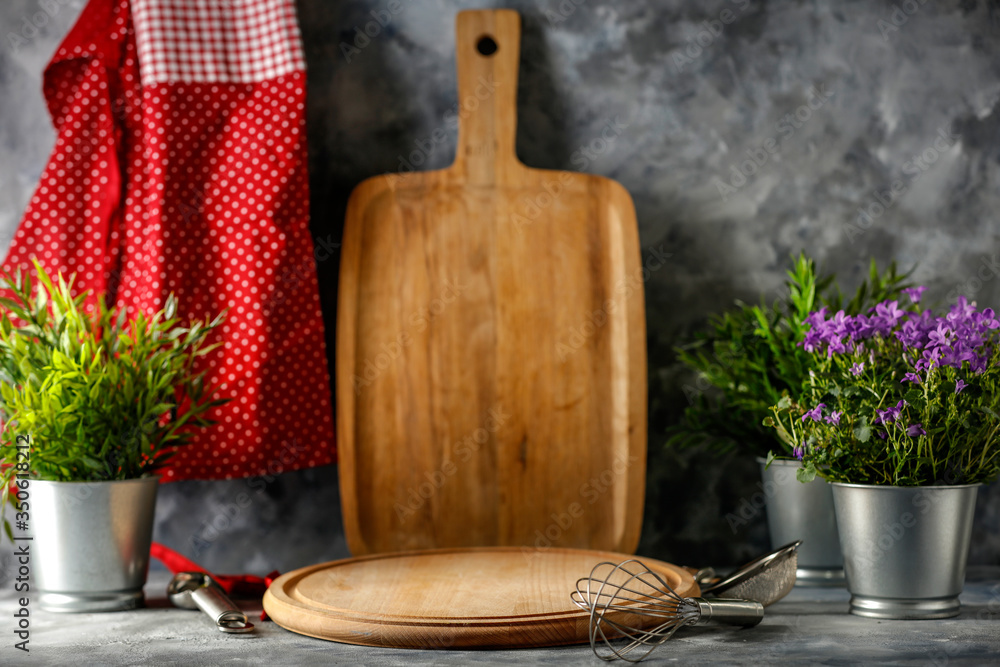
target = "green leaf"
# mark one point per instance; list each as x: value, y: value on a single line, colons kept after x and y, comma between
x: 92, y: 463
x: 863, y: 431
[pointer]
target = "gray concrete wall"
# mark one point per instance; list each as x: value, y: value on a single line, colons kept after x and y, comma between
x: 900, y: 92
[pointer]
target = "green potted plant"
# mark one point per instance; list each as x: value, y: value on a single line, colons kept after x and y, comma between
x: 902, y: 414
x: 92, y: 404
x: 749, y: 357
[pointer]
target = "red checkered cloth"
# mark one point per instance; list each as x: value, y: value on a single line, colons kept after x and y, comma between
x: 213, y: 41
x: 180, y: 166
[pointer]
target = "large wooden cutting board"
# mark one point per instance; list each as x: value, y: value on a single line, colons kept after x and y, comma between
x: 491, y: 362
x: 489, y: 598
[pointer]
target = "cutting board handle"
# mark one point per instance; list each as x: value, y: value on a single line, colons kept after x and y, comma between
x: 487, y: 49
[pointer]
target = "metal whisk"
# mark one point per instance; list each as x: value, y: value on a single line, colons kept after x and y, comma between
x: 628, y: 601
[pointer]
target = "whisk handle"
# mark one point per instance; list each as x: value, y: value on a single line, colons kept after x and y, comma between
x: 729, y: 612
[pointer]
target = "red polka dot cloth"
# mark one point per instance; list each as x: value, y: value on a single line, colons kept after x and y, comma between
x: 180, y: 166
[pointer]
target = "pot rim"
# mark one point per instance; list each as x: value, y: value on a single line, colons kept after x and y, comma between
x: 777, y: 461
x: 847, y: 485
x: 97, y: 481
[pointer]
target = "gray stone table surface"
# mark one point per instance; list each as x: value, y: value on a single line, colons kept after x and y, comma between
x: 810, y: 626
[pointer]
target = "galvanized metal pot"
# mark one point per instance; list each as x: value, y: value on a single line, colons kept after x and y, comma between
x: 905, y: 548
x: 90, y: 550
x: 797, y: 511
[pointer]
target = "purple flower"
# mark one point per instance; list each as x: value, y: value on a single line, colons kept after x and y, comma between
x: 834, y: 417
x: 812, y: 340
x: 838, y: 323
x: 963, y: 339
x: 911, y: 377
x: 960, y: 385
x: 940, y: 335
x: 961, y: 310
x: 890, y: 415
x: 889, y: 310
x: 931, y: 358
x: 914, y: 293
x: 979, y: 364
x: 910, y: 334
x: 862, y: 327
x: 815, y: 414
x: 836, y: 347
x: 817, y: 317
x: 913, y: 430
x: 799, y: 450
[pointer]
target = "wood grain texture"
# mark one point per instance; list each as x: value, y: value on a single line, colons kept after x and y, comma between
x: 491, y: 362
x: 488, y: 598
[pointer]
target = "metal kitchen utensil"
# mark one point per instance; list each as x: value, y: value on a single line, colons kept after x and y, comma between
x: 197, y: 590
x: 631, y: 602
x: 766, y: 579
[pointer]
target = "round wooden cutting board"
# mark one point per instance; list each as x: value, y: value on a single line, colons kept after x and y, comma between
x: 448, y: 598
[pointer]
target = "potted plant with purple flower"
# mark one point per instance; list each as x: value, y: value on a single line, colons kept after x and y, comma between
x: 901, y: 413
x: 748, y: 357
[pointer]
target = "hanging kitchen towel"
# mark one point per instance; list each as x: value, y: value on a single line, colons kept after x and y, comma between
x: 180, y: 166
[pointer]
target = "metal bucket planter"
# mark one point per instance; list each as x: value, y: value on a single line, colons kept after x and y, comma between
x: 90, y: 550
x: 797, y: 511
x: 905, y: 548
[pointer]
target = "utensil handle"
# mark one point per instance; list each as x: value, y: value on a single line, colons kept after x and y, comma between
x: 217, y: 605
x: 487, y: 50
x: 197, y: 590
x: 729, y: 612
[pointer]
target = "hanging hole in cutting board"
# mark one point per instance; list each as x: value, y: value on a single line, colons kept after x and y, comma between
x: 486, y: 45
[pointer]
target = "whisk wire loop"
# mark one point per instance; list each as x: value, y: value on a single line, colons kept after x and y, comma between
x: 626, y: 600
